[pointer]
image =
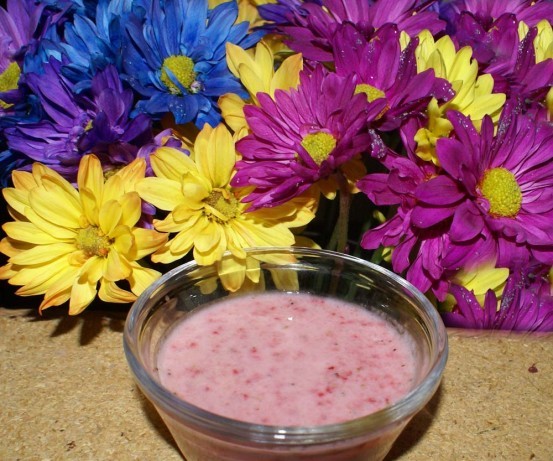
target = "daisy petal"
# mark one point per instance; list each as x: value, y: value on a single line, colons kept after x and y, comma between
x: 82, y: 294
x: 232, y: 272
x: 111, y: 293
x: 147, y: 241
x: 171, y: 163
x: 91, y: 176
x: 42, y: 254
x: 163, y: 193
x: 110, y: 216
x: 440, y: 191
x: 215, y: 155
x: 116, y: 267
x: 54, y: 204
x: 142, y: 278
x: 467, y: 223
x: 27, y: 232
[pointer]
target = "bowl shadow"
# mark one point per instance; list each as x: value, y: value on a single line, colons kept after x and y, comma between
x: 157, y: 423
x: 417, y: 427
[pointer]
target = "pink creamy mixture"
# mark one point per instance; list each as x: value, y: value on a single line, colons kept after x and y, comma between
x: 287, y: 359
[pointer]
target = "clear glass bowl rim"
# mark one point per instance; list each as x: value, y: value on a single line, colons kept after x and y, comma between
x: 203, y: 420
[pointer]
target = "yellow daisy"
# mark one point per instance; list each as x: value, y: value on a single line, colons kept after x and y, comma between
x: 206, y: 214
x: 256, y: 71
x: 63, y: 242
x: 473, y: 93
x: 479, y: 280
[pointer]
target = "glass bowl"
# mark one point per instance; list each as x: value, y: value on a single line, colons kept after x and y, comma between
x: 205, y: 436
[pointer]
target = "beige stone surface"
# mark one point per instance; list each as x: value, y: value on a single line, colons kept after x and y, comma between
x: 66, y: 394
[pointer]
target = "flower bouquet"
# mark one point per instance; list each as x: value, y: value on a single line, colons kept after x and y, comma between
x: 137, y: 134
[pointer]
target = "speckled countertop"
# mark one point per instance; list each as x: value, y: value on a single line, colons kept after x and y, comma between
x: 66, y: 394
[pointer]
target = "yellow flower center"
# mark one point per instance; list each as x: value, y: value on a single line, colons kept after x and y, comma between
x: 372, y: 92
x: 9, y: 80
x: 222, y: 205
x: 182, y: 69
x: 93, y: 242
x: 319, y: 145
x: 501, y: 189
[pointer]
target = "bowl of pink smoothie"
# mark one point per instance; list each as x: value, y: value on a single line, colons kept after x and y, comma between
x: 311, y: 355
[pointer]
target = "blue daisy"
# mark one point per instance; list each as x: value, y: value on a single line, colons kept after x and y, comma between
x: 92, y: 42
x: 175, y: 58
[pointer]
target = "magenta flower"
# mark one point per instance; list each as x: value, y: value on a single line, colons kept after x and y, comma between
x: 526, y: 305
x: 518, y: 74
x: 487, y: 11
x: 499, y: 187
x: 417, y: 253
x: 302, y: 136
x: 382, y: 70
x: 491, y: 199
x: 500, y: 52
x: 310, y: 25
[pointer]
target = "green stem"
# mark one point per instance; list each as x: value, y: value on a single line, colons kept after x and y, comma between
x: 339, y: 239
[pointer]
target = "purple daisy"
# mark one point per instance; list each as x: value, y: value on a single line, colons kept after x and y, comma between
x: 78, y: 124
x: 310, y: 25
x: 302, y: 136
x: 417, y: 253
x: 526, y: 305
x: 500, y: 52
x: 382, y: 69
x: 18, y: 24
x: 487, y: 11
x: 520, y: 75
x: 496, y: 186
